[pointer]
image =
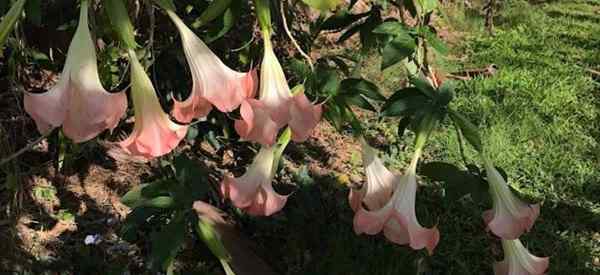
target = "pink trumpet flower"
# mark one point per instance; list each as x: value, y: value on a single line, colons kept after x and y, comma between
x: 78, y: 101
x: 154, y: 134
x: 510, y: 217
x: 386, y: 202
x: 276, y: 106
x: 518, y: 260
x: 253, y: 192
x: 213, y: 82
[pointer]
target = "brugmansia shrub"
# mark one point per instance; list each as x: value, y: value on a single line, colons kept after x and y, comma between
x: 266, y: 111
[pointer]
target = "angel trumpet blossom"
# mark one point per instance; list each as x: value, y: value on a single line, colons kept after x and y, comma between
x: 78, y: 101
x: 276, y: 105
x: 518, y: 260
x: 154, y: 134
x: 253, y: 192
x: 213, y: 82
x: 510, y: 217
x: 386, y: 202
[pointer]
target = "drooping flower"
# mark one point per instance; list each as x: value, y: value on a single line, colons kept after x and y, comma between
x: 253, y: 192
x: 213, y: 82
x: 276, y: 105
x: 78, y: 101
x: 518, y: 260
x: 386, y: 202
x: 154, y: 134
x: 510, y: 217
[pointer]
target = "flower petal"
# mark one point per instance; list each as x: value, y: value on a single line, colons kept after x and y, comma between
x: 253, y: 191
x: 78, y: 101
x: 256, y: 123
x: 510, y: 217
x: 213, y: 80
x: 304, y: 117
x: 371, y: 222
x: 48, y: 109
x: 154, y: 134
x: 519, y: 261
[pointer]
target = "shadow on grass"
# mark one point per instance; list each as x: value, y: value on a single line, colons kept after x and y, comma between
x: 313, y: 235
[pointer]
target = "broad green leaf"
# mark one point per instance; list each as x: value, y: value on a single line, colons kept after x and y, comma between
x: 214, y: 10
x: 323, y: 5
x: 368, y: 38
x: 119, y: 19
x: 226, y: 22
x: 143, y: 192
x: 359, y: 101
x: 9, y: 20
x: 363, y: 87
x: 162, y: 202
x: 424, y: 86
x: 434, y: 41
x: 350, y: 32
x: 404, y: 106
x: 136, y: 218
x: 167, y: 242
x: 341, y: 19
x: 426, y: 5
x: 397, y: 50
x: 33, y: 11
x: 468, y: 129
x: 392, y: 28
x: 167, y: 4
x: 445, y: 95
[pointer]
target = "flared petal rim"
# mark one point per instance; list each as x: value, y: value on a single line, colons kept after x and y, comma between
x: 256, y: 123
x: 78, y: 101
x: 213, y: 81
x: 253, y: 192
x: 154, y: 134
x: 510, y: 217
x: 519, y: 261
x: 304, y: 117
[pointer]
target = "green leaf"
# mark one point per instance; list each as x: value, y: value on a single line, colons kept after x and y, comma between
x: 341, y: 19
x: 434, y: 41
x: 361, y: 102
x: 226, y: 22
x: 392, y: 28
x: 368, y: 38
x: 457, y: 183
x: 119, y: 19
x: 167, y: 4
x: 446, y: 94
x: 363, y: 87
x: 33, y: 11
x: 323, y: 5
x: 8, y: 21
x: 325, y: 81
x: 167, y: 242
x: 138, y: 194
x: 424, y: 86
x: 214, y: 10
x: 136, y: 218
x: 404, y: 102
x: 211, y: 238
x: 426, y: 5
x: 162, y: 202
x: 403, y: 124
x: 396, y: 50
x: 349, y: 33
x: 468, y: 129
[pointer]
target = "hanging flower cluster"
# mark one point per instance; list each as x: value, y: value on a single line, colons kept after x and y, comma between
x: 385, y: 203
x: 509, y: 219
